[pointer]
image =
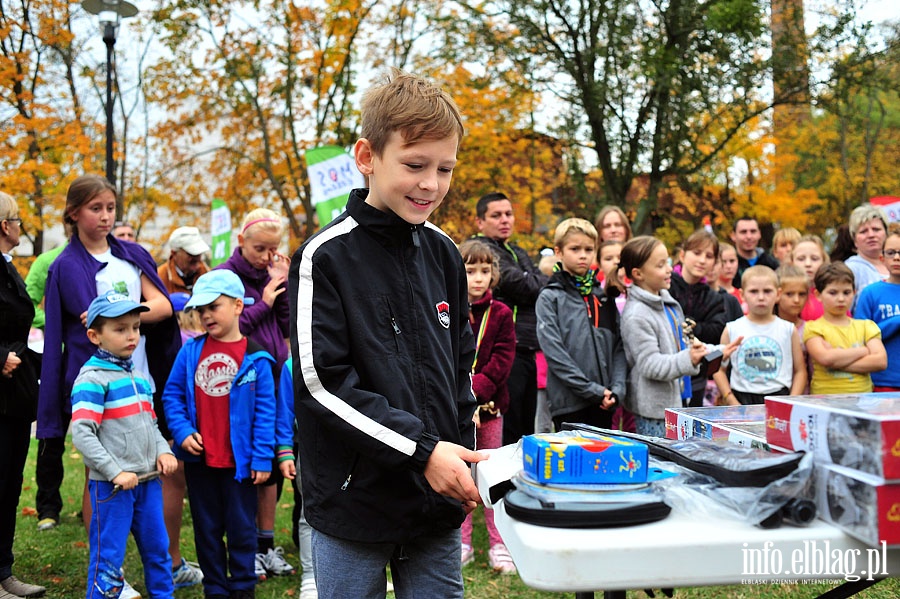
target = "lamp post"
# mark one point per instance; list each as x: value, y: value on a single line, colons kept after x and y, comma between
x: 110, y: 12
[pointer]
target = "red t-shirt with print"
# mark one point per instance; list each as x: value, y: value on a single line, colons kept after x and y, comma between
x: 216, y: 369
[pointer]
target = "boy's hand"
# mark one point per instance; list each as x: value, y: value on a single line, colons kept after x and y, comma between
x: 126, y: 480
x: 608, y: 400
x: 448, y: 474
x: 166, y: 463
x: 259, y: 477
x: 731, y: 348
x: 193, y: 444
x: 476, y: 417
x: 288, y: 469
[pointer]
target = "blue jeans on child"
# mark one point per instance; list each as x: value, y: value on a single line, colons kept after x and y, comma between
x: 425, y: 567
x: 220, y: 507
x: 114, y: 514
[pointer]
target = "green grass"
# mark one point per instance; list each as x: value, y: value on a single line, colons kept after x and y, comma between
x: 58, y: 558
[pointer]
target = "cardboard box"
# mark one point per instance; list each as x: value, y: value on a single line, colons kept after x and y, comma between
x: 584, y: 458
x: 861, y: 505
x: 741, y: 425
x: 858, y: 431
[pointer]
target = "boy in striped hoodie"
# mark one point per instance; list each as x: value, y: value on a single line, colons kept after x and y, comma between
x: 114, y: 428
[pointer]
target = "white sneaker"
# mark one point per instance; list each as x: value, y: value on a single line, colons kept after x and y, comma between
x: 467, y: 555
x: 275, y: 564
x: 308, y: 589
x: 259, y: 566
x: 128, y: 591
x: 500, y: 559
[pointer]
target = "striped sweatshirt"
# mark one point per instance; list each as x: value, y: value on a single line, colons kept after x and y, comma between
x: 113, y: 422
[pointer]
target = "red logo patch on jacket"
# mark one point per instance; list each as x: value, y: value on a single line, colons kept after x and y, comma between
x: 443, y: 312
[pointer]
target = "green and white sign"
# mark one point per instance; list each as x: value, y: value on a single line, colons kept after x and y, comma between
x: 332, y: 174
x: 220, y: 229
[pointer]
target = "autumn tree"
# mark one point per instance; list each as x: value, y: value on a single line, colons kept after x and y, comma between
x: 246, y: 89
x: 661, y: 86
x: 45, y: 137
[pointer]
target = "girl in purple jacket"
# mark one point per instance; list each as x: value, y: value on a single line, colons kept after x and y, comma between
x: 495, y: 349
x: 263, y: 271
x: 93, y: 263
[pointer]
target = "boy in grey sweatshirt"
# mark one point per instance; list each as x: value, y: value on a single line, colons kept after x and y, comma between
x: 114, y: 427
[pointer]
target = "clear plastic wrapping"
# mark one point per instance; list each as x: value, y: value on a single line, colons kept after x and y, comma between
x: 732, y: 481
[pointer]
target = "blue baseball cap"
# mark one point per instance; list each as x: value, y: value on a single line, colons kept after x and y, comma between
x: 217, y: 282
x: 112, y: 304
x: 179, y: 299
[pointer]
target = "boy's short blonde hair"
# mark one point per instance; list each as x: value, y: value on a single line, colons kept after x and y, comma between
x: 759, y: 271
x: 419, y: 110
x: 571, y: 226
x: 474, y: 251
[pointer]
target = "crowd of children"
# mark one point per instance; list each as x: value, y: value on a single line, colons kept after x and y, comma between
x: 401, y: 361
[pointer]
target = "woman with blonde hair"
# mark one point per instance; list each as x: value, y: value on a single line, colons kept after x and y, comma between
x: 868, y: 228
x: 18, y: 394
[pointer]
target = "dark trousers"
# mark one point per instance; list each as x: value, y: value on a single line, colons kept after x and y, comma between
x: 15, y: 434
x: 222, y: 507
x: 518, y: 420
x: 591, y: 415
x: 48, y: 474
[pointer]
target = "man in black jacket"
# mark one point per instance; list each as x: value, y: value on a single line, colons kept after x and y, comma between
x: 746, y: 236
x: 520, y: 284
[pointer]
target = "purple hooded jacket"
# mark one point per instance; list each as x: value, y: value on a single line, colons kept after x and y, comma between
x: 70, y: 289
x: 267, y: 326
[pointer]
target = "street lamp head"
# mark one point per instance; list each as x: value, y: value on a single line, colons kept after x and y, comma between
x: 110, y: 11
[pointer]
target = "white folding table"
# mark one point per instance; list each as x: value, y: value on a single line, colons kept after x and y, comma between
x: 678, y: 551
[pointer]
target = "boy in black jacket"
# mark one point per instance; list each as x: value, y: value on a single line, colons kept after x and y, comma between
x: 382, y: 356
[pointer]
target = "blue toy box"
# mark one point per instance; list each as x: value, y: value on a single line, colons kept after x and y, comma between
x: 571, y: 457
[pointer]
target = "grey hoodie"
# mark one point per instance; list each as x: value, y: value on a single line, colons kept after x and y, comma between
x: 113, y: 424
x: 655, y: 363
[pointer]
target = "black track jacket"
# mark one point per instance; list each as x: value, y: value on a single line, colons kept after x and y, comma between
x: 383, y: 353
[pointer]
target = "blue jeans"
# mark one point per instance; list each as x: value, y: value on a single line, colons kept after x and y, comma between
x: 139, y: 510
x: 423, y: 568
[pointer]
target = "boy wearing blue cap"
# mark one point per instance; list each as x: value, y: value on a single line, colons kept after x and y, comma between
x: 114, y: 428
x: 221, y: 378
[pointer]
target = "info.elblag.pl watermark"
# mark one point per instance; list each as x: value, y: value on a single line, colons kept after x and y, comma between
x: 815, y: 559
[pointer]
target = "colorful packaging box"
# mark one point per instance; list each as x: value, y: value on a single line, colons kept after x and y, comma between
x: 858, y: 431
x: 862, y: 505
x: 741, y: 425
x: 584, y: 458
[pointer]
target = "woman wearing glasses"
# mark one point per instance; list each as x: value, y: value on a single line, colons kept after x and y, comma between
x: 18, y: 395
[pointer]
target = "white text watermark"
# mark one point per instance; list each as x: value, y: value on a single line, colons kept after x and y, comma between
x: 814, y: 560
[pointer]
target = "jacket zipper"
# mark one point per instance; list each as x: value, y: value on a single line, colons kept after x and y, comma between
x: 350, y: 474
x: 396, y: 328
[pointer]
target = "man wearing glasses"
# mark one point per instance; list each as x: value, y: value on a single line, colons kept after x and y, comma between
x: 185, y: 262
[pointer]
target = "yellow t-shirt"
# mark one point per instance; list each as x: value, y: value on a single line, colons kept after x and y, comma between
x: 857, y: 334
